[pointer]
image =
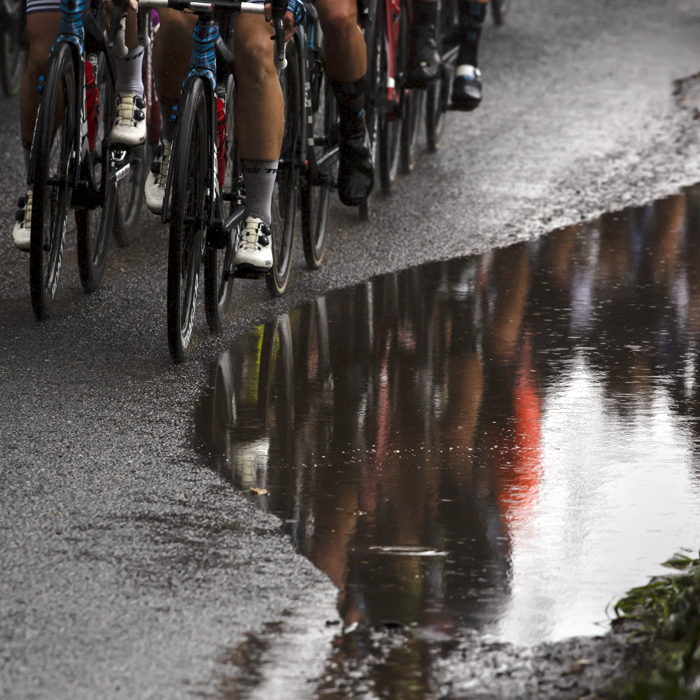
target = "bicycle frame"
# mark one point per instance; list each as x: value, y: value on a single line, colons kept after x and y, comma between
x: 76, y: 22
x: 203, y: 65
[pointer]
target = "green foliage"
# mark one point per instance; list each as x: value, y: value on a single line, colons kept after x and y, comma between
x: 668, y: 612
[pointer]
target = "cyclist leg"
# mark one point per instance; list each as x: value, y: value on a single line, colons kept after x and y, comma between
x: 172, y: 49
x: 424, y: 59
x: 130, y: 122
x: 346, y: 65
x: 259, y: 122
x: 43, y: 20
x: 467, y: 88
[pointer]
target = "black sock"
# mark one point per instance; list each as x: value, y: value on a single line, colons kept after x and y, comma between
x: 471, y: 18
x: 351, y: 104
x: 425, y: 13
x: 27, y: 152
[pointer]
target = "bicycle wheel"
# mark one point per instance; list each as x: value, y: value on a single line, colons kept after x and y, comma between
x: 374, y: 98
x: 94, y: 222
x: 315, y: 196
x: 389, y: 126
x: 187, y: 217
x: 53, y: 147
x: 438, y: 94
x: 499, y: 10
x: 284, y: 198
x: 412, y: 104
x: 13, y: 57
x: 218, y: 283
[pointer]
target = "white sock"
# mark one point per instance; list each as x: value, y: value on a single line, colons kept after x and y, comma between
x: 259, y: 179
x: 129, y: 76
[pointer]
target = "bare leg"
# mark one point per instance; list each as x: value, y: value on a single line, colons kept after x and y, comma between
x: 259, y: 104
x: 42, y: 30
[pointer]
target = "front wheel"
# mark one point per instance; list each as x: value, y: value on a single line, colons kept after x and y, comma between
x: 53, y: 147
x: 188, y: 217
x: 435, y: 110
x: 392, y: 95
x: 410, y: 129
x: 284, y: 198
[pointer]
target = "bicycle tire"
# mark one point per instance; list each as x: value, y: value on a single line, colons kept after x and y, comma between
x: 389, y: 131
x: 187, y: 217
x: 94, y: 225
x: 315, y: 197
x: 373, y: 96
x: 438, y: 94
x: 284, y: 198
x: 130, y: 188
x: 218, y: 283
x: 499, y: 10
x: 412, y: 103
x: 53, y: 148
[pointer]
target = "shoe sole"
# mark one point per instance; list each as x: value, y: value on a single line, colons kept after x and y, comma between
x: 250, y: 271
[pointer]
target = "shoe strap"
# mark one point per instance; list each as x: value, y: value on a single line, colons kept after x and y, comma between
x: 467, y: 71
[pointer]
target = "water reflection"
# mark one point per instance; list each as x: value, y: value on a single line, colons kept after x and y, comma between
x: 501, y: 443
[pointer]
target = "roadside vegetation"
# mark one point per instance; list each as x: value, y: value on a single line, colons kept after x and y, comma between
x: 665, y: 618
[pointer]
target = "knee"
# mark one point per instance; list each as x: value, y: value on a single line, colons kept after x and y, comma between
x: 38, y: 61
x: 338, y: 20
x: 175, y: 27
x: 254, y: 60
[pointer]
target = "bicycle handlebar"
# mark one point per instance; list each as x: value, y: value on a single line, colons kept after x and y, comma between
x: 279, y: 7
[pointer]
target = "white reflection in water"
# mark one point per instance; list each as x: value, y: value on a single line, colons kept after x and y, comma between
x: 616, y: 499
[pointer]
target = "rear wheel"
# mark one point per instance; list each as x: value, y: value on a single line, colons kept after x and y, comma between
x: 53, y: 147
x: 94, y: 221
x: 316, y: 196
x: 130, y: 167
x: 218, y: 278
x: 284, y: 198
x: 187, y: 218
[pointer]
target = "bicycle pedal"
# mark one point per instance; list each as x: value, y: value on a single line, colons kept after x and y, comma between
x: 244, y: 272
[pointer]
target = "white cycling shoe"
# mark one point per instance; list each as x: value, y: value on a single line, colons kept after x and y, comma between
x: 155, y: 182
x: 130, y: 124
x: 254, y: 252
x: 22, y: 231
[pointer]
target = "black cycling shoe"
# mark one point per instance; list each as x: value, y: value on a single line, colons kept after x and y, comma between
x: 356, y: 171
x: 424, y: 64
x: 466, y: 88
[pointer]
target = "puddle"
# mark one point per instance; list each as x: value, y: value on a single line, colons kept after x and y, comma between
x: 502, y: 444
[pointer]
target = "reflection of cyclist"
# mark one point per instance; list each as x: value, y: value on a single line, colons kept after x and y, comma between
x: 259, y: 118
x: 424, y: 60
x: 43, y: 20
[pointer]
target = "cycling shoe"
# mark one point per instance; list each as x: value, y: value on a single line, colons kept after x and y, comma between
x: 466, y: 89
x: 356, y: 170
x: 424, y: 64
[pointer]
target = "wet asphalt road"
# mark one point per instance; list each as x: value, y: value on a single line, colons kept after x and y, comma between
x: 129, y: 569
